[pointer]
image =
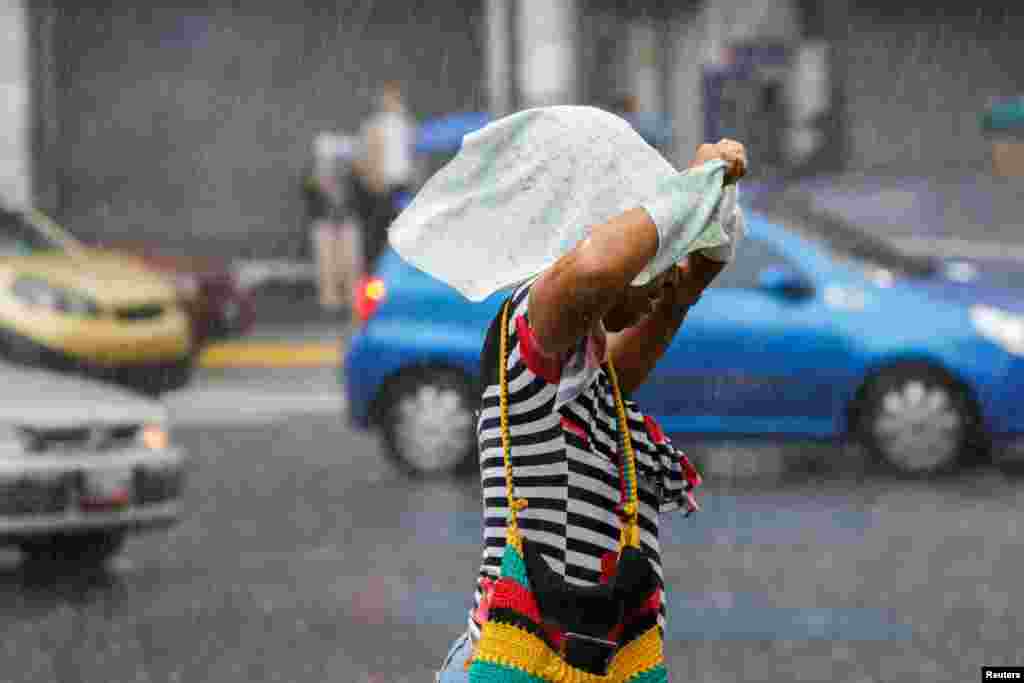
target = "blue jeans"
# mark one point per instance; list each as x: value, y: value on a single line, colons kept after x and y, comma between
x: 454, y: 668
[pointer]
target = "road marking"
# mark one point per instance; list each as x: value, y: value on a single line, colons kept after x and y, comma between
x: 243, y: 354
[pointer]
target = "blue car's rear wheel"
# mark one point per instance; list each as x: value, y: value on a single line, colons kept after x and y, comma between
x: 918, y: 420
x: 427, y: 420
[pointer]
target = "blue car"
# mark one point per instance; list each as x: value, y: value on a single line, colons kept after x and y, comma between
x: 816, y: 330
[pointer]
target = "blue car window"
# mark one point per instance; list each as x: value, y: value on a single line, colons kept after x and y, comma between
x: 752, y: 257
x: 846, y: 241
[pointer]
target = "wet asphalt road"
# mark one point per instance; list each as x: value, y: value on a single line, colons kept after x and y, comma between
x: 304, y: 557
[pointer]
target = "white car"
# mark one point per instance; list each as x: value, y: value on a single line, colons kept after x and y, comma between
x: 82, y: 464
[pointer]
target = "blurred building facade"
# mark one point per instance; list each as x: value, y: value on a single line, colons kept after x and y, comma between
x: 191, y: 127
x: 191, y: 124
x: 809, y: 85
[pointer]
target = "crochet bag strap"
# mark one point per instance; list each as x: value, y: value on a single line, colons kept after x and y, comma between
x: 629, y: 535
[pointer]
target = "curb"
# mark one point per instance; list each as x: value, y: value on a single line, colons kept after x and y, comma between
x: 241, y: 354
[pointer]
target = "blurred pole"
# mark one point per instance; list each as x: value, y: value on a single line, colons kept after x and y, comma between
x: 499, y: 15
x: 546, y: 33
x: 15, y: 143
x: 835, y: 30
x: 809, y: 101
x: 43, y: 110
x: 819, y: 136
x: 642, y: 64
x: 684, y: 105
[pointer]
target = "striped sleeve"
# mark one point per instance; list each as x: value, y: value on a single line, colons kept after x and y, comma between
x: 523, y: 341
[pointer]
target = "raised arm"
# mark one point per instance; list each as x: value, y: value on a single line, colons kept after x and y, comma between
x: 637, y: 350
x: 582, y: 286
x: 369, y: 166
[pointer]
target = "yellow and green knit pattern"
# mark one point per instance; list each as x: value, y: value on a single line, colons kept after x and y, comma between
x: 508, y: 653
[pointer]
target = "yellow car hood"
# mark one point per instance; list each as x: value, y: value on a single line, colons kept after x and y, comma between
x: 111, y: 280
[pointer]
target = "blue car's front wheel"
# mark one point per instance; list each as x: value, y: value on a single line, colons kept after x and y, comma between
x: 427, y: 420
x: 917, y: 419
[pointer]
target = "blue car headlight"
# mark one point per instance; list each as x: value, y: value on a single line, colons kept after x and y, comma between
x: 999, y: 326
x: 38, y: 292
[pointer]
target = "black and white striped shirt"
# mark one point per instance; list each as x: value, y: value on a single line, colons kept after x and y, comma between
x: 565, y: 462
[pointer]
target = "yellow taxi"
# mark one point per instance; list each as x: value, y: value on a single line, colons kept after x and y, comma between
x: 66, y: 306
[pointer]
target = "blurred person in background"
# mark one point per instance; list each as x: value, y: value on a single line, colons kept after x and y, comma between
x: 334, y: 226
x: 384, y: 168
x: 627, y: 106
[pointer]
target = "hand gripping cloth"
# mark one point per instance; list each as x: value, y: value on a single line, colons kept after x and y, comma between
x: 524, y: 190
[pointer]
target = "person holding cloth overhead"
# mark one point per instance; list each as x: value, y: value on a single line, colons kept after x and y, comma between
x: 603, y: 247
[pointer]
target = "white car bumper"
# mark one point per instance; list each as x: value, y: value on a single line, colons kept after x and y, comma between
x: 130, y: 490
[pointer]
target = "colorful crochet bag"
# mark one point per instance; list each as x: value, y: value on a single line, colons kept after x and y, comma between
x: 541, y: 629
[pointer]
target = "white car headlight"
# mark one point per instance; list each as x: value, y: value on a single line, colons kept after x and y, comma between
x: 1000, y: 327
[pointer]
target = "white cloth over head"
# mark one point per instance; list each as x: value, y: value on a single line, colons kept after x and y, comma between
x: 524, y: 190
